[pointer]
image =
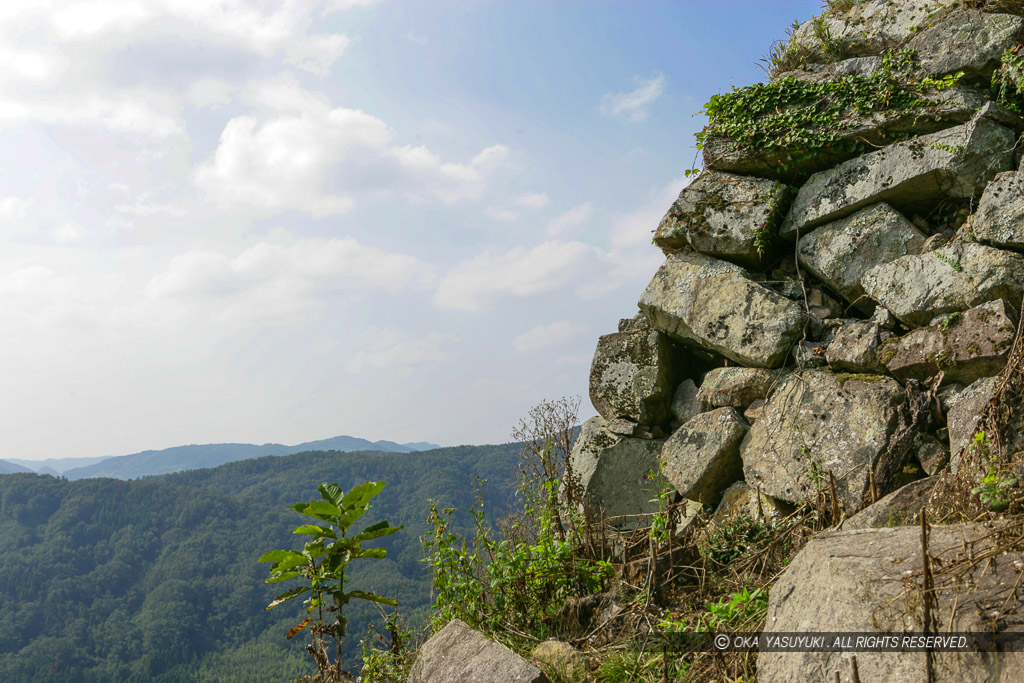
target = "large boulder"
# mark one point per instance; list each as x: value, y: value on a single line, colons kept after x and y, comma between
x: 965, y: 346
x: 817, y: 422
x: 735, y: 386
x: 957, y: 162
x: 729, y: 216
x: 869, y: 580
x: 685, y: 404
x: 712, y: 304
x: 999, y: 221
x: 740, y: 499
x: 617, y: 474
x: 841, y: 252
x: 633, y: 375
x: 458, y: 654
x: 959, y: 276
x: 966, y: 41
x: 702, y: 457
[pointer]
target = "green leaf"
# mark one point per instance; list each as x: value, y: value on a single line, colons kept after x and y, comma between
x: 318, y: 508
x: 294, y: 560
x: 373, y: 597
x: 372, y: 553
x: 286, y: 596
x: 332, y: 493
x: 376, y: 531
x: 362, y: 494
x: 314, y: 530
x: 276, y: 555
x: 278, y: 577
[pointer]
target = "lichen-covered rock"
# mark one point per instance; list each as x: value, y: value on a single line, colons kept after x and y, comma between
x: 901, y: 507
x: 702, y: 457
x: 966, y: 41
x: 957, y: 162
x: 459, y: 654
x: 820, y: 422
x: 965, y: 346
x: 841, y: 252
x: 615, y: 473
x: 962, y: 414
x: 867, y: 580
x: 954, y: 278
x: 710, y: 303
x: 740, y: 499
x: 685, y: 404
x: 855, y: 347
x: 999, y: 221
x: 734, y: 386
x: 932, y: 455
x: 729, y: 216
x: 633, y: 375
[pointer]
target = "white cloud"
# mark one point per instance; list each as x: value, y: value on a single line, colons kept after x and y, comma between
x: 543, y: 336
x: 391, y: 349
x: 499, y: 214
x: 316, y: 54
x: 341, y: 5
x: 68, y: 233
x: 14, y: 209
x: 570, y: 221
x: 633, y: 105
x: 532, y: 200
x: 636, y: 228
x: 209, y: 93
x: 314, y: 158
x: 478, y: 283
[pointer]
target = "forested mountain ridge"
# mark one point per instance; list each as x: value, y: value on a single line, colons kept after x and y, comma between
x: 157, y: 580
x: 195, y: 456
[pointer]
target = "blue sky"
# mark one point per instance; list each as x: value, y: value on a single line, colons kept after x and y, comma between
x: 250, y: 221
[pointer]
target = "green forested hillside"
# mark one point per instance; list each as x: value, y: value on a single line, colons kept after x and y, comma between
x: 156, y: 579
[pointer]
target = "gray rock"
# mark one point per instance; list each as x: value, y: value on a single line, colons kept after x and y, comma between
x: 999, y: 221
x: 855, y: 348
x: 865, y: 28
x: 458, y: 654
x: 932, y: 455
x: 810, y: 354
x: 685, y: 404
x: 754, y: 410
x: 957, y: 277
x: 817, y: 73
x: 965, y: 346
x: 938, y: 110
x: 963, y: 411
x: 615, y: 473
x: 724, y: 215
x: 839, y: 423
x: 899, y: 508
x: 702, y: 457
x: 883, y: 317
x: 957, y: 162
x: 966, y: 41
x: 841, y: 252
x: 633, y: 375
x: 864, y: 581
x: 702, y: 301
x: 734, y: 386
x: 740, y: 499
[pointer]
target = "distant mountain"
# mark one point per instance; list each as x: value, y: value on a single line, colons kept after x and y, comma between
x: 11, y: 467
x: 58, y: 465
x: 194, y: 457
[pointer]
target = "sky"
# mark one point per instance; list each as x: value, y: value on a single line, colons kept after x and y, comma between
x: 275, y: 221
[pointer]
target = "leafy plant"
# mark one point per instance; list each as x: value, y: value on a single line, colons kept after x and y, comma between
x: 323, y: 561
x: 742, y: 608
x: 994, y: 490
x: 735, y: 536
x: 952, y: 263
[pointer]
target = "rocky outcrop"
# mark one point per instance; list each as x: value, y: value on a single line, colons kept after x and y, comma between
x: 963, y: 411
x: 855, y: 347
x: 633, y: 376
x: 966, y: 41
x: 957, y: 162
x: 740, y: 499
x: 949, y: 280
x: 869, y: 580
x: 710, y: 303
x: 702, y: 457
x: 999, y: 221
x: 818, y: 422
x: 734, y: 387
x: 458, y: 654
x: 964, y: 346
x: 899, y: 508
x: 728, y: 216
